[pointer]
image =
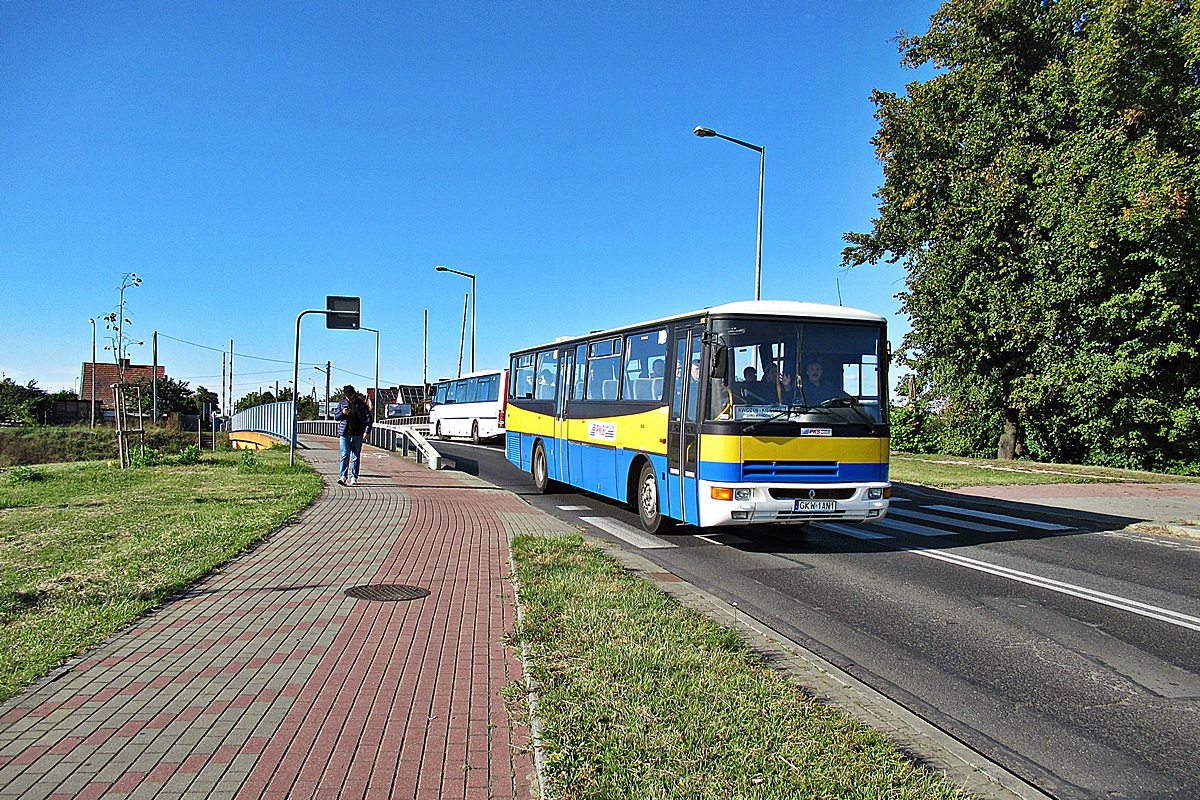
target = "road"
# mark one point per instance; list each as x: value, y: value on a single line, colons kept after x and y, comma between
x: 1052, y: 641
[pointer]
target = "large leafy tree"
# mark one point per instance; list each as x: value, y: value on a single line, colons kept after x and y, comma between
x: 1042, y: 192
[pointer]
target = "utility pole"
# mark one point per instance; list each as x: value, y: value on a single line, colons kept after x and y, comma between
x: 154, y: 378
x: 229, y: 405
x: 327, y: 373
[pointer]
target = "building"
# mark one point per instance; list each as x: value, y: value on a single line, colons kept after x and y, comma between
x: 104, y: 375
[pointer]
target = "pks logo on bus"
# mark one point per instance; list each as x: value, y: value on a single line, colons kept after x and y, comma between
x: 605, y: 431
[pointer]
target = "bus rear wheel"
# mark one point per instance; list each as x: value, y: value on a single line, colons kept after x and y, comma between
x: 475, y: 432
x: 648, y: 501
x: 437, y: 432
x: 541, y: 470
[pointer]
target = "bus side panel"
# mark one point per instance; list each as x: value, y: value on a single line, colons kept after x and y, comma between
x: 599, y: 470
x: 513, y: 450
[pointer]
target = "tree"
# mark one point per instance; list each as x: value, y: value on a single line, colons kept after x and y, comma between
x: 203, y: 399
x: 24, y: 404
x: 116, y: 321
x: 1040, y: 191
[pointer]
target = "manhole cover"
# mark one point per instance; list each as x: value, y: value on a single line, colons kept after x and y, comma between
x: 387, y: 592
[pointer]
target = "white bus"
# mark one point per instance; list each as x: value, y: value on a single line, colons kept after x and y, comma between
x: 471, y: 407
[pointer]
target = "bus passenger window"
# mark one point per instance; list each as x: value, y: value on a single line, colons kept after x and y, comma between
x: 522, y: 381
x: 547, y: 375
x: 580, y: 372
x: 644, y: 352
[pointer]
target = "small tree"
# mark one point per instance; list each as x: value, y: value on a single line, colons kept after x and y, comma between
x: 115, y: 323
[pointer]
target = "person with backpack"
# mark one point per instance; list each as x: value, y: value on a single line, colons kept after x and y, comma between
x: 355, y: 419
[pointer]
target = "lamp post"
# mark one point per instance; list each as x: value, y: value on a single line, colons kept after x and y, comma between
x: 762, y: 168
x: 93, y: 321
x: 472, y: 277
x: 376, y: 332
x: 327, y: 371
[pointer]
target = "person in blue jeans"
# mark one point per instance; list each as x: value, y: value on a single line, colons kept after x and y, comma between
x: 355, y: 419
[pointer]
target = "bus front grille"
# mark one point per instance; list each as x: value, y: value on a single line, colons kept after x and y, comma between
x: 811, y: 494
x: 788, y: 470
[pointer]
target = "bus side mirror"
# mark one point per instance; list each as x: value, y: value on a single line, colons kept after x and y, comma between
x: 720, y: 363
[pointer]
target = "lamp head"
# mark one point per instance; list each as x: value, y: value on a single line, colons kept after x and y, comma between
x: 704, y: 132
x: 442, y: 269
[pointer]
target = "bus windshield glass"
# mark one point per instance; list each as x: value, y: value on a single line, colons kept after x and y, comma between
x: 785, y: 370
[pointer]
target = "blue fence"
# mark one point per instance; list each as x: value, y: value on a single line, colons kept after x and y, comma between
x: 272, y: 418
x: 276, y: 419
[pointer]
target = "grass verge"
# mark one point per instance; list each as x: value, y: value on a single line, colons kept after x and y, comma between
x: 953, y: 471
x: 641, y: 697
x: 85, y: 549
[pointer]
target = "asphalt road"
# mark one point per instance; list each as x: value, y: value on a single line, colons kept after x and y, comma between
x: 1052, y: 641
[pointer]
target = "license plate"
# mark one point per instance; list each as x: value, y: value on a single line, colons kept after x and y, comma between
x: 811, y: 506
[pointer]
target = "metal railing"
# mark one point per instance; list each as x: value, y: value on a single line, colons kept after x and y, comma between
x: 406, y: 434
x: 272, y: 418
x: 384, y: 435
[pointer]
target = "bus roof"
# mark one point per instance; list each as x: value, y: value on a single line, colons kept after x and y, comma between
x: 771, y: 308
x: 476, y: 374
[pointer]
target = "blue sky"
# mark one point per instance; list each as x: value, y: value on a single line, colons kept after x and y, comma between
x: 248, y: 159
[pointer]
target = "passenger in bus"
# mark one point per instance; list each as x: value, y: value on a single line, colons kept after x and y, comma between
x: 545, y: 388
x: 816, y: 389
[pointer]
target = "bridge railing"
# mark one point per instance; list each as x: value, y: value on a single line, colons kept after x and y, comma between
x: 270, y: 418
x: 406, y: 434
x: 408, y: 439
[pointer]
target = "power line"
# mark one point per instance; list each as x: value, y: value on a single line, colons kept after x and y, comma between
x: 239, y: 355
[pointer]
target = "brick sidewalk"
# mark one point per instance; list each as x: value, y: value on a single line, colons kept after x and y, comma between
x: 266, y: 681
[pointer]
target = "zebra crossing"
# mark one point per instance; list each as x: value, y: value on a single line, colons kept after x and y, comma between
x: 947, y: 521
x: 929, y: 521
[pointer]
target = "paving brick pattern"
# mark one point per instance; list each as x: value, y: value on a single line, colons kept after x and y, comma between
x: 266, y: 681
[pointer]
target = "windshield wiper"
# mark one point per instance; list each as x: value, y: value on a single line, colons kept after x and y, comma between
x: 851, y: 403
x: 825, y: 408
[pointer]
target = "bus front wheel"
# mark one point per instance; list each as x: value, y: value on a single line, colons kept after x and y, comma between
x: 475, y: 432
x: 648, y: 500
x: 541, y: 470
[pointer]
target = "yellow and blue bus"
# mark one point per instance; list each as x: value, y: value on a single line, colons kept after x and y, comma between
x: 744, y: 413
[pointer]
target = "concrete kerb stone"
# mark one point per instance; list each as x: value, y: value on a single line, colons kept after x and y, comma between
x: 929, y: 745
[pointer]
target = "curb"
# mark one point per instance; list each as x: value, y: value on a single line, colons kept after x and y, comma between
x: 934, y: 748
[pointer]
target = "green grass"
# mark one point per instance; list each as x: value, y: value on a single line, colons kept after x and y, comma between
x: 955, y: 471
x: 643, y: 698
x: 85, y: 548
x: 50, y: 444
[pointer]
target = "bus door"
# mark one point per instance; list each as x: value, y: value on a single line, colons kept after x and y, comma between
x: 566, y: 374
x: 683, y: 427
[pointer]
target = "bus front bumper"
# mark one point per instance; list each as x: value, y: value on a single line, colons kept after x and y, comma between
x: 751, y: 504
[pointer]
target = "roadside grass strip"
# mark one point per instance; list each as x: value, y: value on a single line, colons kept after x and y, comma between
x: 640, y: 697
x: 85, y: 548
x: 951, y: 471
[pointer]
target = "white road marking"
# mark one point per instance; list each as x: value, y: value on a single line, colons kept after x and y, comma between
x: 628, y: 533
x: 721, y: 538
x: 853, y: 530
x: 1114, y: 601
x: 908, y: 527
x: 955, y: 523
x: 574, y: 508
x: 1027, y: 523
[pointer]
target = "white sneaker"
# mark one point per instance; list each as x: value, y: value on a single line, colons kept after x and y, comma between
x: 354, y: 481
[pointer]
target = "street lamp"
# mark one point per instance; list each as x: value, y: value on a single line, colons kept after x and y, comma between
x: 93, y: 320
x: 472, y: 277
x: 327, y: 371
x: 762, y: 167
x: 374, y: 331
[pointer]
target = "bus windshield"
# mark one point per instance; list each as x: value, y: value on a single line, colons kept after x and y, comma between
x: 782, y: 369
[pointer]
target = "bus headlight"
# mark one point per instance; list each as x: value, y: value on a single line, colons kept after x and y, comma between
x: 743, y: 494
x: 875, y: 493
